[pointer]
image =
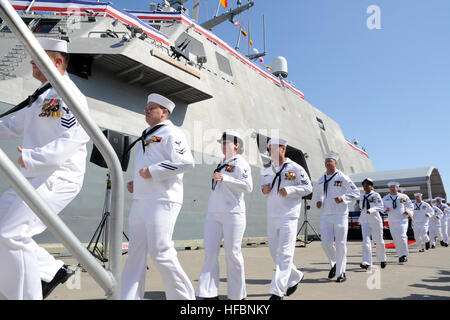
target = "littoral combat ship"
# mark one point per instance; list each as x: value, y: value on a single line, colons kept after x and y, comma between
x: 120, y: 56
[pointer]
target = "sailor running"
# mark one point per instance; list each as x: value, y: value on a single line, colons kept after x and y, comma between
x: 422, y: 214
x: 283, y: 184
x: 445, y: 221
x: 53, y: 159
x: 371, y: 225
x: 226, y: 220
x: 399, y: 208
x: 434, y: 229
x: 335, y: 191
x: 161, y: 160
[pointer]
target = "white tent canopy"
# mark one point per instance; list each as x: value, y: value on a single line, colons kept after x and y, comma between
x: 426, y: 180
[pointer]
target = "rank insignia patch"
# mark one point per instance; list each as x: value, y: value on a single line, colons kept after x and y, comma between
x: 50, y: 108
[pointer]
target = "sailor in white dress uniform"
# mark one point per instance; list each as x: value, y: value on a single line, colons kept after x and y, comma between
x: 335, y: 191
x: 422, y: 214
x: 283, y: 184
x: 162, y: 157
x: 226, y: 220
x: 435, y: 225
x: 53, y: 159
x: 371, y: 225
x: 399, y: 208
x: 445, y: 221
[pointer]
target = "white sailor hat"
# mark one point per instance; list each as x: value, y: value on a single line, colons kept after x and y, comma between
x: 393, y: 183
x: 429, y: 200
x: 278, y: 141
x: 333, y: 156
x: 439, y: 198
x: 418, y: 194
x: 367, y: 180
x: 162, y: 101
x: 51, y: 44
x: 231, y: 135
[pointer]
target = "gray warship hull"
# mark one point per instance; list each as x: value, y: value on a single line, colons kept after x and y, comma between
x: 217, y: 89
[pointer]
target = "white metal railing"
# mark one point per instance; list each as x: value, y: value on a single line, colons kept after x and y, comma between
x: 108, y: 279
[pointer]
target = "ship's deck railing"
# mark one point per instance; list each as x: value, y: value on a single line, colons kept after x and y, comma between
x: 108, y: 279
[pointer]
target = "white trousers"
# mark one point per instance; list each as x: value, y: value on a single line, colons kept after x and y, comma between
x: 420, y: 234
x: 445, y: 225
x: 230, y: 227
x: 151, y: 225
x: 334, y: 229
x: 282, y: 235
x: 23, y: 263
x: 435, y: 232
x: 398, y: 231
x: 374, y: 229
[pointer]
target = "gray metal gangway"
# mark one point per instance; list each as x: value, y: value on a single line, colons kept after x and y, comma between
x: 109, y: 278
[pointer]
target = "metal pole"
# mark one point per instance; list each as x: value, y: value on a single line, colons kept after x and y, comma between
x: 430, y: 195
x: 217, y: 11
x: 54, y: 223
x: 15, y: 23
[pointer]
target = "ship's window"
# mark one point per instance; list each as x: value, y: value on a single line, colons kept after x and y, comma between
x: 320, y: 123
x: 224, y: 64
x: 194, y: 46
x: 45, y: 26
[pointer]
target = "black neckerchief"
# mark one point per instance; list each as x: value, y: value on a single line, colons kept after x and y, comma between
x: 28, y: 101
x: 142, y: 139
x: 218, y: 169
x: 394, y: 202
x: 325, y: 182
x: 278, y: 176
x: 366, y: 203
x: 418, y: 206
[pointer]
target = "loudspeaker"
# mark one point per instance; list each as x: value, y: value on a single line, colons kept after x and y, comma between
x: 120, y: 144
x: 298, y: 156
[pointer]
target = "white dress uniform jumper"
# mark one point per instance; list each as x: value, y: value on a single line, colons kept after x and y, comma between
x: 422, y: 213
x: 282, y: 219
x: 226, y: 220
x: 54, y: 153
x: 372, y: 225
x: 154, y: 211
x: 445, y: 221
x: 398, y: 221
x: 435, y: 226
x: 334, y: 219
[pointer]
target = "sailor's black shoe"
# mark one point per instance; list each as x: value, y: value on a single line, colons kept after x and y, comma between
x: 60, y: 277
x: 211, y: 298
x: 364, y: 266
x: 332, y: 272
x: 427, y: 245
x: 341, y: 278
x: 275, y: 297
x: 292, y: 289
x: 403, y: 259
x: 383, y: 264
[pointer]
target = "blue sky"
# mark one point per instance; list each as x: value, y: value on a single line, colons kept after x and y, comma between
x: 389, y: 88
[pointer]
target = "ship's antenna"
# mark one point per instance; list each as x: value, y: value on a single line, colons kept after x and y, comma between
x: 239, y: 38
x: 195, y: 9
